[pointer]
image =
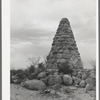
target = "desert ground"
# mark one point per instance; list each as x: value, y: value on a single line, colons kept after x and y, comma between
x: 20, y: 93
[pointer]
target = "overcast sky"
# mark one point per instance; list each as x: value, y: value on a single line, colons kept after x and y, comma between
x: 34, y: 24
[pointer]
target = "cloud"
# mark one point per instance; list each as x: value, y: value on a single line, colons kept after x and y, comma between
x: 34, y: 24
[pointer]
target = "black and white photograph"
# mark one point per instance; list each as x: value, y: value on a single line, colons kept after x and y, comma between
x: 53, y: 50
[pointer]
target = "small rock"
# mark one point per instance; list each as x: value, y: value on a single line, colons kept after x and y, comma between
x: 73, y: 88
x: 52, y: 91
x: 82, y: 83
x: 65, y: 89
x: 79, y: 76
x: 67, y: 79
x: 88, y: 88
x: 42, y: 75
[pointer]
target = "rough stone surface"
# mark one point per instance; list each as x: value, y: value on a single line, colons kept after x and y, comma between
x: 64, y: 47
x: 67, y: 79
x: 34, y: 85
x: 54, y: 79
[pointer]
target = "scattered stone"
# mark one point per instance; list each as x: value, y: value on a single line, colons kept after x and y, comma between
x: 74, y: 73
x: 88, y: 87
x: 52, y: 91
x: 73, y: 88
x: 79, y: 76
x: 82, y: 83
x: 34, y: 85
x: 67, y: 79
x: 65, y: 89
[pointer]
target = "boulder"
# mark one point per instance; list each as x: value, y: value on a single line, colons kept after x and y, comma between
x: 67, y: 79
x: 82, y: 83
x: 54, y: 79
x: 34, y: 85
x: 42, y: 75
x: 88, y: 87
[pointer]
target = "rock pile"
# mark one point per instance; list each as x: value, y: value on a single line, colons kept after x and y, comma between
x: 64, y: 55
x: 58, y: 82
x: 64, y: 48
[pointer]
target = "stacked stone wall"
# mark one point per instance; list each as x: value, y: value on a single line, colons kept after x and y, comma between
x: 64, y: 47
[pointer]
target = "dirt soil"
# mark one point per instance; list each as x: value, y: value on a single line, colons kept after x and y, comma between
x: 19, y: 93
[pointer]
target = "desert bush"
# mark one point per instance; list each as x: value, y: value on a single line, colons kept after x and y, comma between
x: 31, y: 72
x: 31, y: 69
x: 18, y: 72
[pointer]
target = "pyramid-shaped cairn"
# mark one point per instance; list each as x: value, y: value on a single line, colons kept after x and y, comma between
x: 64, y: 48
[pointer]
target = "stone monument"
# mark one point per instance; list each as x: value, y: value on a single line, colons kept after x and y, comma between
x: 64, y: 48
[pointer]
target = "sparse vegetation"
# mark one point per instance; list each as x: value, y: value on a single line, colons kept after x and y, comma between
x: 30, y: 72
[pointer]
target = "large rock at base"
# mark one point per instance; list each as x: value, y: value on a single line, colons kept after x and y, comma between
x: 34, y: 85
x: 54, y: 79
x: 67, y: 79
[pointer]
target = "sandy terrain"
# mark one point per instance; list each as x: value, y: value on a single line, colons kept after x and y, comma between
x: 20, y: 93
